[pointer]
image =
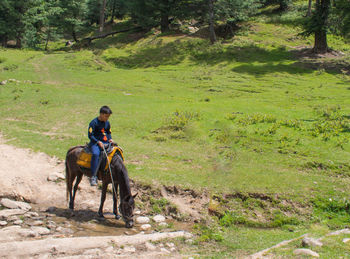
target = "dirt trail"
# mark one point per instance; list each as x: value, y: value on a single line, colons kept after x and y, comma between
x: 25, y: 176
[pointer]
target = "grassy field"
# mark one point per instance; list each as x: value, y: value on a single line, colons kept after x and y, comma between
x: 251, y: 120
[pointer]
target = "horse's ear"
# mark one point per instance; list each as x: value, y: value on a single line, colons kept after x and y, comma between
x: 134, y: 196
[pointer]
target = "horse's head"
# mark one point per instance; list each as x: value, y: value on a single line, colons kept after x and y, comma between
x: 126, y: 208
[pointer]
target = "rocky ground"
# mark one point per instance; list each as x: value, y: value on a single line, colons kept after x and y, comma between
x: 35, y: 221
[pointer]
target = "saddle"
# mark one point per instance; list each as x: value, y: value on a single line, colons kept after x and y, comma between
x: 84, y: 159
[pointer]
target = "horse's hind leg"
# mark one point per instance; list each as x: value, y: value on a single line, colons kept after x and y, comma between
x: 71, y: 204
x: 115, y: 205
x: 103, y: 198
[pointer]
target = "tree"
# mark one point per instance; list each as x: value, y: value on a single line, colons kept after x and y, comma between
x: 102, y: 14
x: 318, y: 26
x: 309, y: 8
x: 73, y: 17
x: 342, y: 14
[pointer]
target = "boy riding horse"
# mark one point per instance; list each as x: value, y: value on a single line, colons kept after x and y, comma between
x: 99, y: 134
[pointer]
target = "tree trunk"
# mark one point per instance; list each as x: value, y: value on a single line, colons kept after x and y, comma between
x: 211, y: 22
x: 164, y: 23
x: 102, y: 14
x: 113, y: 11
x: 309, y: 9
x: 47, y: 38
x: 4, y: 41
x: 322, y: 9
x: 18, y: 41
x: 74, y: 35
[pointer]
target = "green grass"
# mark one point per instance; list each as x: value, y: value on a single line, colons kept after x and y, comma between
x: 247, y: 117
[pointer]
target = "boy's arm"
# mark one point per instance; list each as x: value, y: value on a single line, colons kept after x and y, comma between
x: 109, y: 132
x: 91, y: 133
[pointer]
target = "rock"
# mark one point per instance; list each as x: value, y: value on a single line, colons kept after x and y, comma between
x: 304, y: 251
x: 312, y: 242
x: 31, y: 214
x: 188, y: 235
x: 10, y: 212
x: 41, y: 230
x: 189, y: 241
x: 159, y: 218
x: 94, y: 251
x: 338, y: 232
x: 164, y: 250
x: 12, y: 218
x: 150, y: 247
x: 170, y: 245
x: 129, y: 249
x: 15, y: 204
x: 192, y: 29
x: 137, y: 212
x: 142, y: 220
x: 51, y: 209
x: 55, y: 176
x: 36, y: 223
x: 145, y: 227
x: 18, y: 222
x: 3, y: 82
x: 345, y: 240
x: 3, y: 223
x: 51, y: 224
x: 163, y: 224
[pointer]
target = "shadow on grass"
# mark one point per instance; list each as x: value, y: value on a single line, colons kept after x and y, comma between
x: 199, y: 52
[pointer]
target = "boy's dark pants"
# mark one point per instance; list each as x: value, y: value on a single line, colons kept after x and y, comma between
x: 95, y: 150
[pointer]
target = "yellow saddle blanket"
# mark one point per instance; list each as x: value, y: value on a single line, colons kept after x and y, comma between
x: 84, y: 159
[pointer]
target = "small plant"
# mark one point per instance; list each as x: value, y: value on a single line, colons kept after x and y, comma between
x: 159, y: 205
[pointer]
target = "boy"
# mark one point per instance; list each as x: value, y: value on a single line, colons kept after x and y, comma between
x: 99, y: 134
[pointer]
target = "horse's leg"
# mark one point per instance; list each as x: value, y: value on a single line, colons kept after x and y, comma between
x: 70, y: 181
x: 77, y: 182
x: 103, y: 198
x: 115, y: 203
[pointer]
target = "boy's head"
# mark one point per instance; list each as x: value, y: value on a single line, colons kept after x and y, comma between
x: 105, y: 112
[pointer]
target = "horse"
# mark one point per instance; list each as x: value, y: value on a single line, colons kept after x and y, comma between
x: 120, y: 179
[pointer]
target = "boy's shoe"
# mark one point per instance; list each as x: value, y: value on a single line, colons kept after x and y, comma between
x: 93, y: 181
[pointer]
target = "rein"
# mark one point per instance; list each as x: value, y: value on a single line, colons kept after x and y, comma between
x: 110, y: 171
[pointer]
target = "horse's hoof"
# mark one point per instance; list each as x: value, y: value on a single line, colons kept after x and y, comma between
x: 117, y: 216
x: 100, y: 215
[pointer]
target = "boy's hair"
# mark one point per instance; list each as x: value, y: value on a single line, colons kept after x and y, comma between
x: 105, y: 110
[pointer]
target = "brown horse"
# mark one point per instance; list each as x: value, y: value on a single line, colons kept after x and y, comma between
x: 120, y: 179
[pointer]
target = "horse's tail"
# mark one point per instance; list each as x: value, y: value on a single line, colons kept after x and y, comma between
x: 67, y: 176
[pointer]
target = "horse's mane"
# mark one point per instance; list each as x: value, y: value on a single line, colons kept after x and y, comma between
x: 122, y: 176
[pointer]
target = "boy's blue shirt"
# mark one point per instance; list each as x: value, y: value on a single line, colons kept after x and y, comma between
x: 99, y: 131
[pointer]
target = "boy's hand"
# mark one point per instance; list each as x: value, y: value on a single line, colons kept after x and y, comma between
x: 100, y: 144
x: 110, y: 141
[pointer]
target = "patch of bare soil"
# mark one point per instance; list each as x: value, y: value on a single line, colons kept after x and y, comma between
x: 49, y: 229
x: 332, y: 61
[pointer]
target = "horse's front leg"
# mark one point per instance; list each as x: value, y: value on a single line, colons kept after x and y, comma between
x: 103, y: 198
x: 115, y: 202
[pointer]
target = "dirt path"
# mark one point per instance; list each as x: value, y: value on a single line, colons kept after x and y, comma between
x: 49, y: 226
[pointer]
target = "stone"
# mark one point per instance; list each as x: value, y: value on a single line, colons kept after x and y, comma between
x: 142, y: 220
x: 170, y: 245
x: 18, y: 222
x: 129, y: 249
x: 145, y: 227
x: 41, y: 230
x: 345, y: 240
x: 51, y: 224
x: 55, y: 176
x: 12, y: 218
x: 164, y: 250
x: 4, y: 214
x: 189, y: 241
x: 312, y: 242
x: 188, y: 235
x: 51, y: 209
x: 192, y: 29
x: 163, y: 224
x: 31, y: 214
x: 15, y: 204
x: 3, y: 82
x: 137, y: 212
x: 304, y: 251
x: 109, y: 249
x: 36, y: 223
x: 150, y: 247
x: 3, y: 223
x: 94, y: 251
x: 159, y: 218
